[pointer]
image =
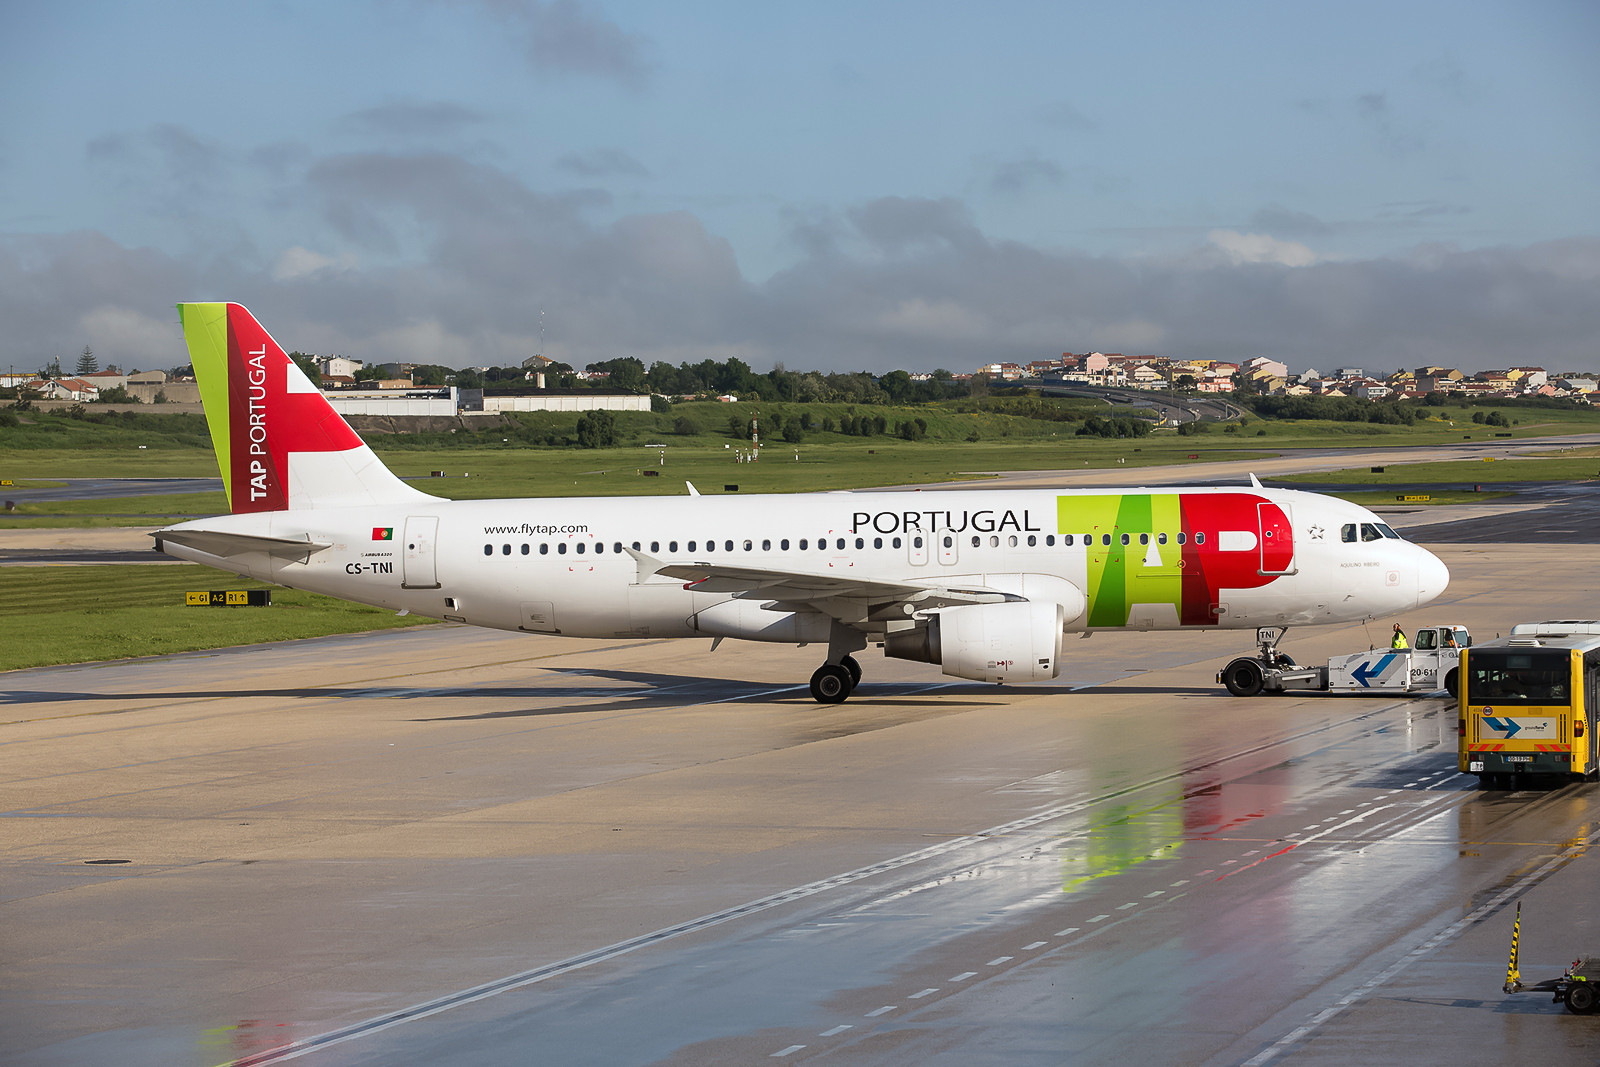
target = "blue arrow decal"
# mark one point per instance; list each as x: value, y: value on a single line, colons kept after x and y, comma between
x: 1363, y: 672
x: 1509, y: 727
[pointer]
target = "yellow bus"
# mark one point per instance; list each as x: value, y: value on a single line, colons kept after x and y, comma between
x: 1527, y: 703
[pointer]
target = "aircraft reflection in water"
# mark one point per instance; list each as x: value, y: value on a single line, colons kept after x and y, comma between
x: 984, y: 584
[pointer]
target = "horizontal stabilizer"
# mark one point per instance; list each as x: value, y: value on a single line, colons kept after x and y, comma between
x: 218, y: 543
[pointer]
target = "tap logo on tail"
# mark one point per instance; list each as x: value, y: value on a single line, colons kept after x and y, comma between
x: 264, y: 413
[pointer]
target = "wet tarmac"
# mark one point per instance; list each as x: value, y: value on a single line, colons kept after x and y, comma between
x: 453, y: 846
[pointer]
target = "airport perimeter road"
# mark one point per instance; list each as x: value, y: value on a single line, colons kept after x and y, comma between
x: 454, y: 846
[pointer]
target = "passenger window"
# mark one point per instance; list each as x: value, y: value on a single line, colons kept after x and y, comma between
x: 804, y: 544
x: 672, y: 546
x: 841, y: 544
x: 580, y: 548
x: 949, y: 542
x: 1066, y: 539
x: 655, y: 546
x: 505, y: 550
x: 897, y: 542
x: 1144, y: 539
x: 1183, y: 538
x: 636, y: 546
x: 1049, y: 540
x: 877, y: 542
x: 1370, y: 532
x: 748, y: 545
x: 617, y: 548
x: 561, y: 548
x: 544, y: 549
x: 1124, y: 539
x: 1161, y: 538
x: 1032, y: 541
x: 1011, y: 542
x: 525, y: 548
x: 916, y: 542
x: 1347, y: 532
x: 784, y: 544
x: 727, y: 546
x: 488, y: 550
x: 1200, y: 538
x: 861, y: 542
x: 599, y: 547
x: 691, y: 546
x: 766, y: 545
x: 1105, y: 539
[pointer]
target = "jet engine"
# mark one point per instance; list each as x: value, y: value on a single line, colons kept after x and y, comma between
x: 1018, y: 641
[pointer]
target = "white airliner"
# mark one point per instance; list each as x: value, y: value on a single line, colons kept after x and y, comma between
x: 983, y: 583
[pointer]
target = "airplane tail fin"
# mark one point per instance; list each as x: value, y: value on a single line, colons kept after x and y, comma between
x: 279, y: 443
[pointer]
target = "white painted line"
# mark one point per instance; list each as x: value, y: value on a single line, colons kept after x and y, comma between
x: 1226, y: 862
x: 1036, y: 944
x: 1157, y: 893
x: 1129, y: 904
x: 1252, y: 852
x: 1180, y: 881
x: 786, y: 1051
x: 885, y: 1010
x: 1100, y: 918
x: 837, y: 1030
x: 998, y: 960
x: 1069, y: 930
x: 925, y: 993
x: 963, y: 976
x: 1209, y: 871
x: 1348, y: 811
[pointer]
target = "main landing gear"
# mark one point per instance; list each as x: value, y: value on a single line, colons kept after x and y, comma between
x: 1246, y: 675
x: 836, y: 679
x: 833, y: 682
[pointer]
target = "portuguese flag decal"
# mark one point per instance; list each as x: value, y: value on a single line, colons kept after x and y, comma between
x: 383, y: 533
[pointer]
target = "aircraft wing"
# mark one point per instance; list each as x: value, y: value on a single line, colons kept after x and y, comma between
x: 839, y: 594
x: 220, y: 543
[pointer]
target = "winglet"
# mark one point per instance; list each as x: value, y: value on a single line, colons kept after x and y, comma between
x: 692, y: 490
x: 648, y: 565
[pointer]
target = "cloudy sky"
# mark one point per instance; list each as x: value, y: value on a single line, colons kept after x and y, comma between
x: 839, y: 186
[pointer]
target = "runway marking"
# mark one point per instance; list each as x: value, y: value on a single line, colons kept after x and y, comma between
x: 837, y: 1030
x: 1067, y: 932
x: 786, y: 1051
x: 1036, y: 944
x: 1100, y: 918
x: 1180, y: 881
x: 1437, y: 941
x: 885, y: 1010
x: 963, y: 976
x: 1156, y: 893
x: 1129, y: 904
x: 998, y: 960
x: 925, y: 993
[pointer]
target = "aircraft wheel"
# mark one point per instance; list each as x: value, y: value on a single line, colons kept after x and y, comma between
x: 849, y: 663
x: 831, y: 684
x: 1581, y: 998
x: 1451, y: 680
x: 1243, y: 677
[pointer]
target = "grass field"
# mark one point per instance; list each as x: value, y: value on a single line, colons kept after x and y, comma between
x: 51, y: 615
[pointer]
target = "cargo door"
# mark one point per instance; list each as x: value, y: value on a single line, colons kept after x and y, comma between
x: 539, y: 616
x: 418, y: 569
x: 1277, y: 539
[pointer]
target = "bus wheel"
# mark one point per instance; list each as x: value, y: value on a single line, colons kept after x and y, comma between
x: 1450, y: 683
x: 1581, y: 998
x: 1243, y: 677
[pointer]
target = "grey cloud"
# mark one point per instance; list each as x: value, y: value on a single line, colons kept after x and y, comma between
x: 573, y: 37
x: 602, y: 163
x: 896, y: 224
x: 166, y: 160
x: 1421, y: 209
x: 1282, y: 222
x: 1020, y: 175
x: 423, y: 119
x: 1064, y: 116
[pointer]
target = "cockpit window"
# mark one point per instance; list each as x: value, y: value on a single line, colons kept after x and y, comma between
x: 1387, y: 531
x: 1369, y: 532
x: 1347, y: 532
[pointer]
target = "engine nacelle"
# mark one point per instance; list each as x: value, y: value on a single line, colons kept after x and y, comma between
x: 1013, y: 642
x: 747, y: 619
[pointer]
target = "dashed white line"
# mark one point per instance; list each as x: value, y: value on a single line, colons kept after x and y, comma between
x: 1129, y: 904
x: 1157, y: 893
x: 836, y: 1031
x: 1180, y: 881
x: 998, y: 960
x: 1067, y: 931
x: 963, y: 976
x: 925, y: 993
x: 1252, y: 852
x: 885, y: 1010
x: 1036, y: 944
x: 1100, y: 918
x: 786, y: 1051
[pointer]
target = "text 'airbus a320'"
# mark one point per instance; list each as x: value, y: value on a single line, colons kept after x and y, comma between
x: 983, y: 583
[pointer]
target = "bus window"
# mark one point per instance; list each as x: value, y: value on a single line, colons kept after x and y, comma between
x: 1495, y: 677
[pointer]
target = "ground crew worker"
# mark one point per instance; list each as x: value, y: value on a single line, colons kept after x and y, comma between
x: 1399, y: 638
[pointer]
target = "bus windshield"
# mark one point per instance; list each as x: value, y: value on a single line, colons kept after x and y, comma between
x: 1505, y: 677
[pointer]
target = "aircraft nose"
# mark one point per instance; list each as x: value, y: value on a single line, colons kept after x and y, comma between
x: 1432, y: 577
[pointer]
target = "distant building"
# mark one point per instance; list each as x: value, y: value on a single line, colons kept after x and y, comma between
x: 339, y: 367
